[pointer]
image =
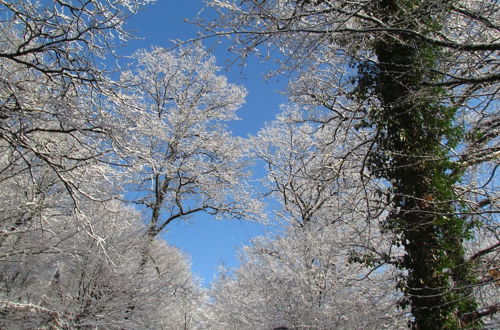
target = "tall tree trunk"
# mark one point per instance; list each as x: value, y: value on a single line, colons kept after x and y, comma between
x: 411, y: 154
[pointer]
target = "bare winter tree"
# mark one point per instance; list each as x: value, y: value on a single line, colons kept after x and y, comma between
x: 52, y: 122
x: 305, y: 277
x: 184, y: 159
x: 58, y: 172
x: 64, y: 279
x: 419, y: 79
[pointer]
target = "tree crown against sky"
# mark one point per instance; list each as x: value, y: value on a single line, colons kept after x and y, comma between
x: 306, y: 276
x: 185, y: 158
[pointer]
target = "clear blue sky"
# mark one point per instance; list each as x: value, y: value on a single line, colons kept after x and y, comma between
x: 209, y: 242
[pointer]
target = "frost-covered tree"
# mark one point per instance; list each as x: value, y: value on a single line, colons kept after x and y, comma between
x: 54, y: 129
x: 63, y: 278
x: 303, y: 280
x: 53, y: 136
x: 419, y: 79
x: 52, y: 84
x: 306, y: 276
x: 183, y: 158
x: 69, y: 254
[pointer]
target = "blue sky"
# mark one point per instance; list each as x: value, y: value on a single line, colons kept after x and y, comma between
x: 209, y: 242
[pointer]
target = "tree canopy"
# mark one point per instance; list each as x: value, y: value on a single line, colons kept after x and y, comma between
x: 381, y: 170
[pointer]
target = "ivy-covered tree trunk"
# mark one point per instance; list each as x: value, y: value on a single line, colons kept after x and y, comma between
x: 414, y: 133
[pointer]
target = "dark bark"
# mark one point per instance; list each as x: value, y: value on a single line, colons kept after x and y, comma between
x: 409, y: 154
